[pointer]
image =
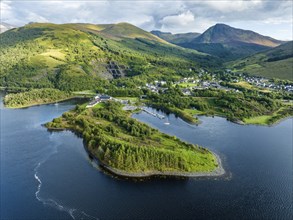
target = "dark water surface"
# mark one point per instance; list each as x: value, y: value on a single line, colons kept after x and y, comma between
x: 49, y: 175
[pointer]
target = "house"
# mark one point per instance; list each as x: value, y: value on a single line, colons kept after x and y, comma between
x: 186, y: 92
x: 104, y: 98
x: 98, y: 99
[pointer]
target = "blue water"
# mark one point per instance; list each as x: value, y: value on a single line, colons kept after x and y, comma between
x: 48, y: 175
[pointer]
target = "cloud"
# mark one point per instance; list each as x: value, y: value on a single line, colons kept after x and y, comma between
x: 6, y: 11
x: 181, y: 20
x: 232, y: 6
x: 175, y: 16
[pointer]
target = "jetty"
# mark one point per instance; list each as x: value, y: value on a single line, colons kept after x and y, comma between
x: 153, y: 114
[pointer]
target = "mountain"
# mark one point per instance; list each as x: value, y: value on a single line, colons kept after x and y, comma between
x: 273, y: 63
x: 83, y: 56
x: 118, y: 31
x: 224, y: 34
x: 176, y: 38
x: 5, y: 27
x: 227, y: 42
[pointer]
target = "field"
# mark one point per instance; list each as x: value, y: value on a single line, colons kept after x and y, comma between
x: 193, y: 111
x: 186, y: 85
x: 273, y: 118
x: 244, y: 85
x: 259, y: 120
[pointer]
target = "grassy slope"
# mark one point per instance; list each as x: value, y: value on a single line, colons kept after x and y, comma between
x: 50, y: 55
x: 274, y: 63
x: 275, y: 117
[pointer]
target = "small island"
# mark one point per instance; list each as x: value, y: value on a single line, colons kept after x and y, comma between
x: 127, y: 147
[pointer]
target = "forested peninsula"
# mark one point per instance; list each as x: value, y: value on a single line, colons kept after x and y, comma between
x: 130, y: 148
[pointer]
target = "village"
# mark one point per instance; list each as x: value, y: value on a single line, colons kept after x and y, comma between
x: 211, y: 81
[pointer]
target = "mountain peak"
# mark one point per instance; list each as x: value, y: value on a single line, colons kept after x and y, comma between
x: 221, y: 25
x: 225, y: 34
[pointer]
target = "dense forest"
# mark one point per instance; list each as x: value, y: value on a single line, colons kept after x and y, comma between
x: 124, y: 143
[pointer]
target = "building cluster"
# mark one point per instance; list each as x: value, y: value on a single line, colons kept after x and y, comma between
x: 156, y: 86
x: 104, y: 98
x: 191, y: 84
x: 99, y: 98
x: 266, y: 83
x: 206, y: 80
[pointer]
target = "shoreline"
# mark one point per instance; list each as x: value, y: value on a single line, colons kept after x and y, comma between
x: 239, y: 122
x: 272, y: 124
x: 218, y: 172
x: 43, y: 103
x: 192, y: 121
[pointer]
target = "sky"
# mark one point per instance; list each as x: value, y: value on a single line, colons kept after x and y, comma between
x: 268, y: 17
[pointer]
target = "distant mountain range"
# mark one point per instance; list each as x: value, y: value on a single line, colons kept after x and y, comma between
x: 221, y: 33
x: 176, y: 38
x: 224, y: 41
x: 273, y: 63
x: 82, y: 56
x: 5, y: 27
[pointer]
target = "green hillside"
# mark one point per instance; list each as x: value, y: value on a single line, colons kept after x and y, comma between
x: 82, y: 56
x: 273, y: 63
x: 127, y: 30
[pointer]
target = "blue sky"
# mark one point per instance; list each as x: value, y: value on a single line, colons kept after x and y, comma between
x: 267, y: 17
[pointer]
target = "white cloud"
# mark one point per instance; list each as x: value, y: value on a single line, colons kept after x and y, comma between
x: 232, y: 6
x: 5, y: 10
x: 174, y: 16
x: 35, y: 17
x: 180, y: 21
x: 278, y: 21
